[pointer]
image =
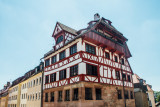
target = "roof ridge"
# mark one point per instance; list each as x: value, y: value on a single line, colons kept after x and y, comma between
x: 67, y: 28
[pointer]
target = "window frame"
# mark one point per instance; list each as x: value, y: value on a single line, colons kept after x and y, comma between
x: 47, y: 62
x: 53, y: 59
x: 108, y: 55
x: 91, y: 72
x: 64, y: 56
x: 52, y: 96
x: 115, y: 58
x: 71, y: 50
x: 98, y: 95
x: 61, y: 78
x: 92, y: 46
x: 67, y: 95
x: 118, y: 75
x: 59, y: 39
x: 46, y: 80
x: 46, y: 97
x: 75, y: 94
x: 60, y: 96
x: 72, y: 72
x: 119, y: 95
x: 54, y: 77
x: 88, y: 94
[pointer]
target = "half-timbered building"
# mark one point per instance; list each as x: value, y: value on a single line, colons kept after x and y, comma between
x: 88, y: 67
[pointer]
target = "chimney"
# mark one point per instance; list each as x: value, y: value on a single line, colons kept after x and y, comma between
x: 96, y: 16
x: 8, y: 84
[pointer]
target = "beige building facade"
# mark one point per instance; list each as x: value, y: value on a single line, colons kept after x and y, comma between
x: 23, y: 96
x: 14, y: 96
x: 34, y: 91
x: 4, y: 101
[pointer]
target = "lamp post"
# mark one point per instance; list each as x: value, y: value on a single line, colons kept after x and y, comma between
x: 123, y: 83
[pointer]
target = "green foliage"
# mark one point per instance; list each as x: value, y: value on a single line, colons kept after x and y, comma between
x: 158, y: 98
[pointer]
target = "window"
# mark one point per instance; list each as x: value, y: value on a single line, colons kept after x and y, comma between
x: 126, y: 94
x: 98, y: 94
x: 129, y: 78
x: 88, y: 94
x: 62, y: 74
x: 115, y: 58
x: 34, y: 83
x: 59, y: 39
x: 46, y: 97
x: 73, y: 70
x: 124, y: 77
x: 39, y: 96
x: 91, y: 69
x: 119, y: 94
x: 52, y: 96
x: 131, y: 94
x: 54, y: 59
x: 122, y: 61
x: 75, y: 94
x: 40, y: 80
x: 53, y: 77
x: 47, y: 62
x: 62, y: 55
x: 90, y: 49
x: 60, y: 96
x: 67, y: 97
x: 117, y: 75
x: 33, y: 96
x: 107, y: 55
x: 73, y: 49
x: 36, y: 96
x: 37, y: 82
x: 47, y: 79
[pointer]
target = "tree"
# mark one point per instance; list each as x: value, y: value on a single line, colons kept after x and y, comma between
x: 158, y: 98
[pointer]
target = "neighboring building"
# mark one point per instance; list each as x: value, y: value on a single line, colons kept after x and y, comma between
x: 4, y: 95
x: 151, y: 98
x: 15, y: 93
x: 144, y: 95
x: 26, y: 90
x: 23, y: 94
x: 87, y: 67
x: 35, y: 87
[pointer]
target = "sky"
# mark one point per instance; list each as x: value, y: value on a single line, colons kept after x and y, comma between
x: 26, y: 27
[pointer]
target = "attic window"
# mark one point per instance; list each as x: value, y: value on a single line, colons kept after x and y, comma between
x: 59, y: 39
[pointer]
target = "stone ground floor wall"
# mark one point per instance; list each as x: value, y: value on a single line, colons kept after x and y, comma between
x: 109, y: 96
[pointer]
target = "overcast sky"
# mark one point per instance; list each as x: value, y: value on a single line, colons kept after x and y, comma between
x: 26, y: 27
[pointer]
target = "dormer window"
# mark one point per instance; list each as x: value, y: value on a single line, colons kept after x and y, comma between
x: 59, y: 39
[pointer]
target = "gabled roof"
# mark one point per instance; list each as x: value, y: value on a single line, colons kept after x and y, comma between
x: 136, y: 79
x: 68, y: 29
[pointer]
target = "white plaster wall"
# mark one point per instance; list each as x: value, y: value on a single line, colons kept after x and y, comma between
x: 82, y: 68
